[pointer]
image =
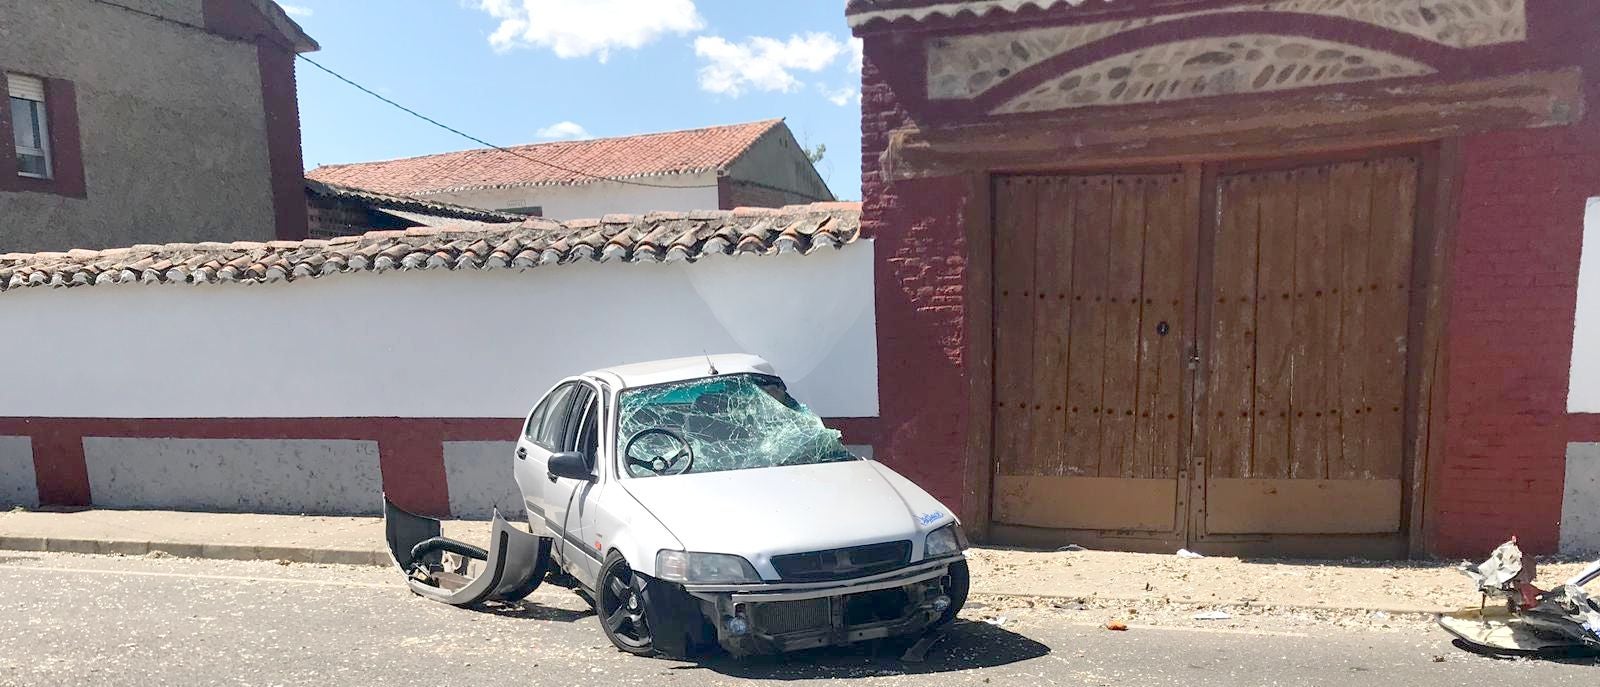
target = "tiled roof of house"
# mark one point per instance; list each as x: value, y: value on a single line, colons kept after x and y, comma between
x: 409, y: 205
x: 657, y: 237
x: 861, y: 13
x: 628, y: 157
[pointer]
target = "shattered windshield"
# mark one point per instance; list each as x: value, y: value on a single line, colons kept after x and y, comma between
x: 734, y: 422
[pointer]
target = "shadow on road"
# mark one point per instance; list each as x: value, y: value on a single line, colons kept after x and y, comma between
x: 527, y: 610
x: 1582, y: 656
x: 966, y: 645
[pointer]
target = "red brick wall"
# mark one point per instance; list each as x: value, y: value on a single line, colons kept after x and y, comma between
x: 1509, y: 343
x: 920, y: 277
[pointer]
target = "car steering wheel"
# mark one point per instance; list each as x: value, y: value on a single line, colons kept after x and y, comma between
x: 662, y: 465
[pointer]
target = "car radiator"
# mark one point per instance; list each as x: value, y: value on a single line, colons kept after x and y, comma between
x: 783, y: 617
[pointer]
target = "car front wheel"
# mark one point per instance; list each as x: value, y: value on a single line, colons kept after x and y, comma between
x: 957, y: 582
x: 620, y: 604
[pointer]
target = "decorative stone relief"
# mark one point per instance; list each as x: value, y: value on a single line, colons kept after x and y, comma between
x: 967, y: 66
x: 1205, y: 67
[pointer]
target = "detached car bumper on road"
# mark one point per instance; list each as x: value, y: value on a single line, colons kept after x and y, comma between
x: 698, y: 504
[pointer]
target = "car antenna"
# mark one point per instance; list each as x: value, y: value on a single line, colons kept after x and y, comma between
x: 710, y: 364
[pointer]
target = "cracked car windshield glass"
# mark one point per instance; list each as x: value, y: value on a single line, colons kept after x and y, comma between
x: 734, y: 422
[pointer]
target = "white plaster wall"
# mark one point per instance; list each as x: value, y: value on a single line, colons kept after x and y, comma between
x: 17, y: 485
x: 479, y: 477
x: 433, y: 343
x: 1580, y: 506
x: 1585, y: 390
x: 326, y: 477
x: 588, y: 201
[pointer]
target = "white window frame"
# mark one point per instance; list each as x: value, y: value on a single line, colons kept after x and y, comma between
x: 31, y: 89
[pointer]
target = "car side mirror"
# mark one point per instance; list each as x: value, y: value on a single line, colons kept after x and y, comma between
x: 571, y: 465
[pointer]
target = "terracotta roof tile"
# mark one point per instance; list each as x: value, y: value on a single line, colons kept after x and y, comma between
x: 657, y: 237
x: 864, y: 12
x: 628, y: 157
x: 440, y: 211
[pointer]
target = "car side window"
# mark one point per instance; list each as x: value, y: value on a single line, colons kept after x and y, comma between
x: 530, y: 429
x: 553, y: 422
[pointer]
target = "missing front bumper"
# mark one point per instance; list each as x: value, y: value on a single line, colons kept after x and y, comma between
x: 778, y: 618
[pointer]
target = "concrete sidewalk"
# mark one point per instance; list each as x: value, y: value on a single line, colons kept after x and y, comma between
x: 1034, y: 577
x: 231, y: 536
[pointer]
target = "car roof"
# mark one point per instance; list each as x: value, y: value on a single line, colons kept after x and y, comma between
x: 680, y: 369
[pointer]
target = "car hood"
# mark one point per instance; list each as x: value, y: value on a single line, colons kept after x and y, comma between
x: 763, y: 512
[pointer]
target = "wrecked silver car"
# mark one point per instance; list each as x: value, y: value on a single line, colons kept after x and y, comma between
x: 697, y: 504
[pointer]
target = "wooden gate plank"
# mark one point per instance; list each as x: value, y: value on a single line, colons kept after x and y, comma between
x: 1124, y: 267
x: 1092, y: 206
x: 1232, y: 346
x: 1157, y: 448
x: 1308, y: 394
x: 1016, y: 201
x: 1274, y: 319
x: 1351, y: 199
x: 1389, y: 288
x: 1051, y: 318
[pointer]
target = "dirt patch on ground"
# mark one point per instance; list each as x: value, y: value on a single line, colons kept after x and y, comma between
x: 1093, y: 577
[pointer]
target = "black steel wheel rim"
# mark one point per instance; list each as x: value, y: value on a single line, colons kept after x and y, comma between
x: 622, y: 609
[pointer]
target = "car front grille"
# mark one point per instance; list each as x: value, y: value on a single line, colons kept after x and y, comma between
x: 839, y: 564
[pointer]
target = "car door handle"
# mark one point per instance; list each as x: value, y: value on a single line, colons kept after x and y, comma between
x: 522, y: 453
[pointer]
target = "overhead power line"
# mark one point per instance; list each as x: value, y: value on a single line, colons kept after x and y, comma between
x: 480, y: 141
x: 439, y: 124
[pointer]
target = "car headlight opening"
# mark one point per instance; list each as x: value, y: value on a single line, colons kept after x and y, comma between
x: 704, y: 568
x: 944, y: 541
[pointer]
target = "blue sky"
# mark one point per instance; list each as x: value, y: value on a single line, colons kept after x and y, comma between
x: 522, y: 71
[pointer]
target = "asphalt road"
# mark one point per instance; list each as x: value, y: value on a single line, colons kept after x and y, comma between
x: 68, y: 619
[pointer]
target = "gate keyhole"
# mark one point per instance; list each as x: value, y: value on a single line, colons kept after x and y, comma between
x: 1162, y: 329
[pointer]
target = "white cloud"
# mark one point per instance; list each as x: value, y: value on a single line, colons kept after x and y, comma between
x: 857, y: 54
x: 563, y: 130
x: 841, y: 96
x: 296, y: 10
x: 764, y: 64
x: 584, y: 28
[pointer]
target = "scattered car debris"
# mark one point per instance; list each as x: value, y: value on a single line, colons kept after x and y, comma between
x: 1072, y: 547
x: 1211, y: 615
x: 1117, y: 626
x: 1531, y: 621
x: 997, y: 622
x: 919, y: 651
x: 1185, y: 553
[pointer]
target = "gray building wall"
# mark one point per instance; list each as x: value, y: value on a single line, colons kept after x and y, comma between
x: 325, y: 477
x: 173, y: 131
x: 17, y: 485
x: 777, y: 160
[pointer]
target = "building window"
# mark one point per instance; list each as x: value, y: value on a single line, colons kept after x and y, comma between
x: 530, y: 211
x: 29, y: 125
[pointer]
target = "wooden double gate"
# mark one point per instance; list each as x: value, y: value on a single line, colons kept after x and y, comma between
x: 1217, y: 353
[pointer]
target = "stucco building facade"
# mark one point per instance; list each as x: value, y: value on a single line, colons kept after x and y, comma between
x: 167, y: 120
x: 1285, y: 277
x: 754, y: 164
